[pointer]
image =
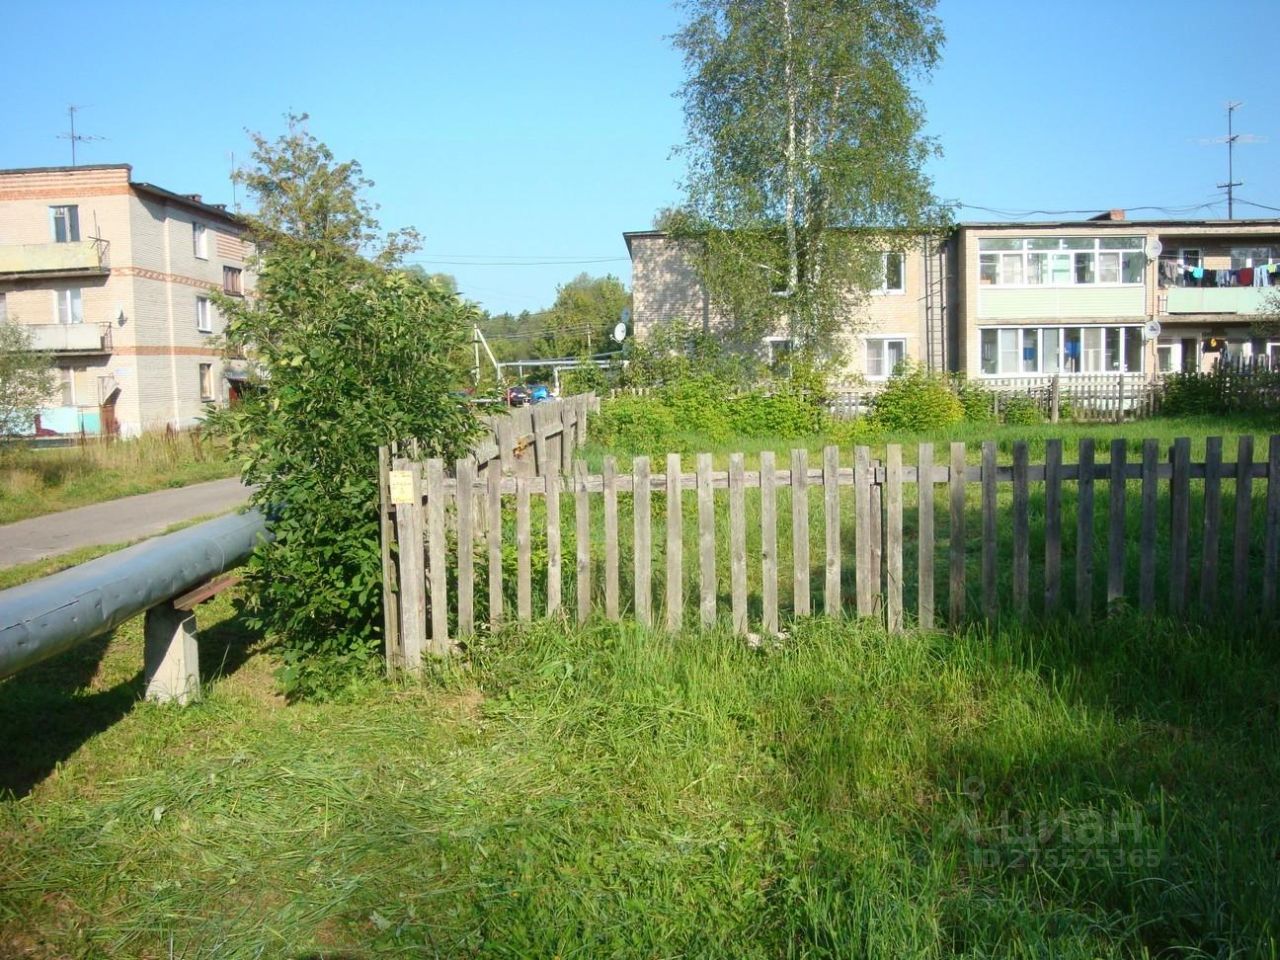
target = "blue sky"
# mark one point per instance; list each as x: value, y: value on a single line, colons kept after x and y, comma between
x: 505, y: 129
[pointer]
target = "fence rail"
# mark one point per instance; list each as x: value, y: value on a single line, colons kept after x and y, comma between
x: 1097, y: 531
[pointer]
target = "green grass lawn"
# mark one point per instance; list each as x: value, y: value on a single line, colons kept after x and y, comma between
x: 602, y: 792
x: 36, y: 481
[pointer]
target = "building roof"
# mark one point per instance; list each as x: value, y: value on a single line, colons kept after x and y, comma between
x: 190, y: 201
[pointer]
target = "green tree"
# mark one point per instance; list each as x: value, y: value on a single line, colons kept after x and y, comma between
x: 301, y: 191
x: 26, y: 379
x: 348, y: 354
x: 585, y: 311
x: 806, y: 155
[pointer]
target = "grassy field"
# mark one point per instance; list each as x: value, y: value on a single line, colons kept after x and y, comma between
x: 1024, y: 790
x: 606, y: 792
x: 36, y: 481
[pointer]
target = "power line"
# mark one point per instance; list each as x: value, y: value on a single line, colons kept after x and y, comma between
x: 1250, y: 203
x: 1092, y: 210
x: 432, y: 262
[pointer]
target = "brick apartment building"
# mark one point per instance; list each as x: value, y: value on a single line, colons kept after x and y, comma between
x: 113, y: 278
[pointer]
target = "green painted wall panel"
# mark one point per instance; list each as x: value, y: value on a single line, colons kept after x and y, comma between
x: 1055, y: 303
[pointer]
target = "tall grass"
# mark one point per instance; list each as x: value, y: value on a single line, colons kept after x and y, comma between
x: 611, y: 792
x: 38, y: 480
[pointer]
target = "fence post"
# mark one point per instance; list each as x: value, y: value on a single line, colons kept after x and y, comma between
x: 1052, y: 526
x: 1115, y: 529
x: 1055, y: 398
x: 831, y: 497
x: 643, y: 563
x: 1147, y: 537
x: 769, y: 540
x: 800, y: 532
x: 465, y: 471
x: 1021, y: 530
x: 924, y: 535
x: 738, y: 542
x: 387, y: 527
x: 609, y: 477
x: 436, y: 551
x: 1244, y: 522
x: 413, y: 578
x: 1084, y: 531
x: 675, y: 546
x: 1212, y: 522
x: 582, y: 539
x: 893, y: 537
x: 1180, y: 501
x: 706, y: 542
x: 1271, y: 537
x: 554, y: 556
x: 956, y: 535
x: 494, y: 535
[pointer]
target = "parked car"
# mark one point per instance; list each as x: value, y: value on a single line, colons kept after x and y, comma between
x: 539, y: 392
x: 518, y: 395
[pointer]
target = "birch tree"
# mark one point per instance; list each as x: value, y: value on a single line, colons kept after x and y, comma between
x: 806, y: 156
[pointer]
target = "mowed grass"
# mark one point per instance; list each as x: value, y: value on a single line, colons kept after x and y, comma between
x: 37, y: 480
x: 609, y: 792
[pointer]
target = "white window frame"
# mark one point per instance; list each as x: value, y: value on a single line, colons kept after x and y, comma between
x: 771, y: 343
x: 72, y: 217
x: 67, y: 386
x: 69, y: 303
x: 237, y: 289
x: 204, y: 318
x: 199, y: 240
x: 1252, y: 256
x: 884, y: 342
x: 1087, y: 333
x: 884, y: 287
x: 1191, y: 257
x: 1016, y: 262
x: 203, y: 371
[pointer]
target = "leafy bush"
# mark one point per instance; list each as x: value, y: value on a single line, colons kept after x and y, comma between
x: 351, y: 356
x: 1020, y: 410
x: 913, y: 400
x: 634, y: 423
x: 975, y: 400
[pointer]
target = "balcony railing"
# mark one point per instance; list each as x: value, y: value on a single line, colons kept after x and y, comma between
x: 71, y: 337
x: 38, y: 260
x: 1214, y: 299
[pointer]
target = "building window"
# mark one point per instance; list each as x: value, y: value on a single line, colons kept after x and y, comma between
x: 779, y: 351
x: 203, y: 322
x: 1190, y: 257
x: 231, y: 282
x: 1060, y: 261
x: 67, y: 382
x: 884, y: 356
x: 1045, y: 351
x: 206, y: 381
x: 200, y: 241
x: 892, y: 273
x: 1242, y: 257
x: 66, y: 224
x: 68, y: 306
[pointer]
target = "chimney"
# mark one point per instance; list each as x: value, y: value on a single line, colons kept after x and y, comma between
x: 193, y: 196
x: 1112, y: 214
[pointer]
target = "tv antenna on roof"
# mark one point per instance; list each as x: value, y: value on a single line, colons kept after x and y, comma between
x: 73, y: 136
x: 1231, y: 139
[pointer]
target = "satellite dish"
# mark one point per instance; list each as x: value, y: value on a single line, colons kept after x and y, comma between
x: 620, y: 331
x: 1153, y: 249
x: 1151, y: 330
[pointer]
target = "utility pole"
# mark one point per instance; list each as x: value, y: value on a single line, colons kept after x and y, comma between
x: 73, y: 136
x: 1231, y: 183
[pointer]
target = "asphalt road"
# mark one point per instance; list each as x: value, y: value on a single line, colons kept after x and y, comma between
x: 116, y: 521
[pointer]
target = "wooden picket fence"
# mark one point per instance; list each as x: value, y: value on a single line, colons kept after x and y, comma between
x: 438, y: 528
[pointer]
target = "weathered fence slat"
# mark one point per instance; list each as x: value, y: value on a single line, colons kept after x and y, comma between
x: 955, y: 535
x: 738, y: 542
x: 494, y: 539
x: 675, y: 545
x: 990, y: 541
x: 1147, y: 536
x: 1021, y: 529
x: 641, y: 501
x: 924, y: 535
x: 1052, y: 526
x: 1084, y: 531
x: 863, y: 585
x: 410, y: 533
x: 800, y: 532
x: 437, y: 574
x: 1244, y: 520
x: 386, y: 526
x: 609, y: 472
x: 706, y: 542
x: 524, y: 555
x: 1180, y: 501
x: 831, y: 493
x: 465, y: 471
x: 769, y: 540
x: 555, y: 559
x: 1115, y: 522
x: 1212, y: 522
x: 893, y: 537
x: 582, y: 538
x: 1271, y: 532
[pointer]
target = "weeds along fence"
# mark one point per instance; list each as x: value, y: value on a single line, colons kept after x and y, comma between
x: 923, y: 542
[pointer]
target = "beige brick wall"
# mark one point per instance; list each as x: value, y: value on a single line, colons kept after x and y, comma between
x: 665, y: 287
x: 154, y: 280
